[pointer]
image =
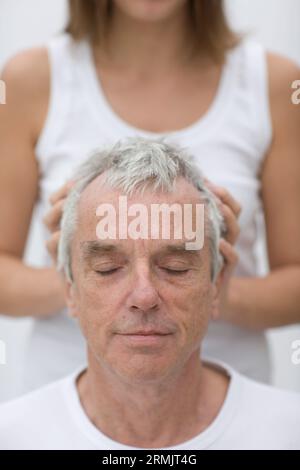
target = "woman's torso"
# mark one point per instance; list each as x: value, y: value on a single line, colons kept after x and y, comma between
x: 229, y: 140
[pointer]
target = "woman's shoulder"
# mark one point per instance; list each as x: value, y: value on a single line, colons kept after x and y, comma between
x: 279, y: 63
x: 282, y: 64
x: 27, y: 79
x: 27, y: 67
x: 283, y: 71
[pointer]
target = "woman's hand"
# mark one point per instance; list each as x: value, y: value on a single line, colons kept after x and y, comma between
x: 53, y: 217
x: 231, y: 210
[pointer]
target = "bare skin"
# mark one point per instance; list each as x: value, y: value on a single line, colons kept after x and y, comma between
x: 254, y: 303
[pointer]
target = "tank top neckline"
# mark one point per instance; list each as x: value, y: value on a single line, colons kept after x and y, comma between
x: 106, y: 114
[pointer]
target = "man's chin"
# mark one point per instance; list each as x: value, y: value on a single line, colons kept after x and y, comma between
x: 142, y: 368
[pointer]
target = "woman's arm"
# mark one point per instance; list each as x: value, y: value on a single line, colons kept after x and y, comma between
x: 275, y: 299
x: 23, y: 290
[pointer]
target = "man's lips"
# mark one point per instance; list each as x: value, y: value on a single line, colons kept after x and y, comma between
x: 145, y: 337
x: 147, y: 333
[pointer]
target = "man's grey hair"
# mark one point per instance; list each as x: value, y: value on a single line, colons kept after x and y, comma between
x: 134, y: 165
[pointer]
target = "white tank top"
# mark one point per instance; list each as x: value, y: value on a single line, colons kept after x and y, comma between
x: 229, y: 142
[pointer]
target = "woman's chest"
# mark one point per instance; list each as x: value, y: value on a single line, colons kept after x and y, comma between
x: 161, y: 103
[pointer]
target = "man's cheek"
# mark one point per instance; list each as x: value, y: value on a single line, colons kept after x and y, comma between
x: 198, y: 314
x: 91, y: 312
x: 93, y: 327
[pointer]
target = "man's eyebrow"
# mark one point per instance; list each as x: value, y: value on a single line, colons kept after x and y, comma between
x: 94, y: 247
x: 179, y: 248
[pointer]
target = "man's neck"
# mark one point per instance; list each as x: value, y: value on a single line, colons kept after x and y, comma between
x: 158, y: 414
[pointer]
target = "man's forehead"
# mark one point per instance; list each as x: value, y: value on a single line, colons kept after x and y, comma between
x: 154, y: 216
x: 98, y: 192
x: 94, y: 190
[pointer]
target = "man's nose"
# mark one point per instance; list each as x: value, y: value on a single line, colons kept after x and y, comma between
x: 144, y: 296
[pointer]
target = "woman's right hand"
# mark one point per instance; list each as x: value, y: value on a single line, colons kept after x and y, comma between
x: 53, y: 217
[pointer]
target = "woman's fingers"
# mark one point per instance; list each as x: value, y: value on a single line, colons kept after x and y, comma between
x: 57, y: 199
x: 230, y: 256
x: 53, y: 216
x: 230, y: 208
x: 61, y: 193
x: 232, y: 226
x: 228, y: 199
x: 52, y: 245
x: 225, y: 197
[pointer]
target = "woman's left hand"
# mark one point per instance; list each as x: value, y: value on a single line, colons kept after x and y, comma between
x: 231, y: 210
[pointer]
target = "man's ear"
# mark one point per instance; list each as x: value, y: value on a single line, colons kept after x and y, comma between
x: 70, y: 295
x: 217, y: 286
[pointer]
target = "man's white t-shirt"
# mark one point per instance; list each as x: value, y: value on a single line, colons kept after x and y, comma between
x: 253, y: 416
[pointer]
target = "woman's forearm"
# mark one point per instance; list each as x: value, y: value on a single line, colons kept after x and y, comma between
x: 266, y: 302
x: 28, y: 291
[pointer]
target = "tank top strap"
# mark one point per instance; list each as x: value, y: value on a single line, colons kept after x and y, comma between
x: 256, y: 80
x: 60, y: 50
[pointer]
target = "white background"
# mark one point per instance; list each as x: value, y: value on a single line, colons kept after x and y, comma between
x: 276, y: 23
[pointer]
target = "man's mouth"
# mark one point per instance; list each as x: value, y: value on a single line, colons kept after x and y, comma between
x: 148, y: 333
x: 146, y: 337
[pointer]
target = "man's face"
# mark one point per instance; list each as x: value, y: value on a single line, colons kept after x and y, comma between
x: 143, y: 305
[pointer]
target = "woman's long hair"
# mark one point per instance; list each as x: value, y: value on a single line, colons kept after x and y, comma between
x: 90, y: 19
